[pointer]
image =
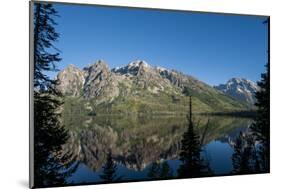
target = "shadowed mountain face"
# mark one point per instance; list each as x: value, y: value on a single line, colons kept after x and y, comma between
x: 141, y: 88
x: 240, y: 89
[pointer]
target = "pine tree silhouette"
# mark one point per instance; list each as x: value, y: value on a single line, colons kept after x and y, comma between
x: 44, y: 37
x: 154, y: 170
x: 160, y: 171
x: 193, y: 164
x: 166, y: 171
x: 109, y: 170
x: 251, y: 150
x: 51, y: 165
x: 261, y: 126
x: 244, y: 157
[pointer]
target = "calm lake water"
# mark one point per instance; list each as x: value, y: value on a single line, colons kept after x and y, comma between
x: 136, y: 143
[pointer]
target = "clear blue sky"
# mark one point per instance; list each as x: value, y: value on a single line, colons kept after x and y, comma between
x: 210, y: 47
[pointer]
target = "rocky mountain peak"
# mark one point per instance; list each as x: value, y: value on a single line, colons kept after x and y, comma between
x: 138, y: 63
x: 161, y: 69
x: 139, y: 85
x: 133, y: 68
x: 96, y: 77
x: 71, y: 79
x: 240, y: 81
x: 242, y: 84
x: 71, y: 67
x: 98, y: 65
x: 240, y: 88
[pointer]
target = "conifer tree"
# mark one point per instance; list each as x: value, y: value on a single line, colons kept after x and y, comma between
x: 51, y: 166
x: 46, y: 55
x: 261, y: 126
x: 160, y: 171
x: 154, y: 171
x: 244, y: 159
x: 193, y: 164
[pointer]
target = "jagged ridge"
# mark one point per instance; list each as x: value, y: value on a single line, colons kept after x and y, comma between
x: 141, y: 88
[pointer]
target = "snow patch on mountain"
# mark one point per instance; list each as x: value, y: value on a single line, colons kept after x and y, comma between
x: 240, y: 88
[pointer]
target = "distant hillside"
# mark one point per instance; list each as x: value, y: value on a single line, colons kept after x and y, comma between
x: 139, y: 88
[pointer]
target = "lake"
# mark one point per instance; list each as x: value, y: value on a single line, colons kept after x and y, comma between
x: 140, y: 146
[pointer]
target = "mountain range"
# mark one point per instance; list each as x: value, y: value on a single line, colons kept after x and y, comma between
x: 144, y: 89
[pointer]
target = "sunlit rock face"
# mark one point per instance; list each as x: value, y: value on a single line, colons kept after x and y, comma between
x: 100, y: 83
x: 139, y: 87
x: 95, y: 81
x: 71, y: 81
x: 240, y: 89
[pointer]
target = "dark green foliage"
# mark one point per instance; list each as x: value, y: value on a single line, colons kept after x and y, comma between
x: 154, y: 171
x: 244, y: 159
x: 252, y: 152
x: 109, y: 169
x: 51, y: 165
x: 193, y: 165
x: 160, y: 171
x: 261, y: 127
x: 166, y: 171
x: 186, y: 91
x: 190, y: 154
x: 44, y: 36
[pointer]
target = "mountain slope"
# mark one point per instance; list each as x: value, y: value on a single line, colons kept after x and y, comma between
x: 141, y: 88
x: 240, y: 89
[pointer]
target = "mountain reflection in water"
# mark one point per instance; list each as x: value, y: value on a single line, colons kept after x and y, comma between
x: 146, y: 148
